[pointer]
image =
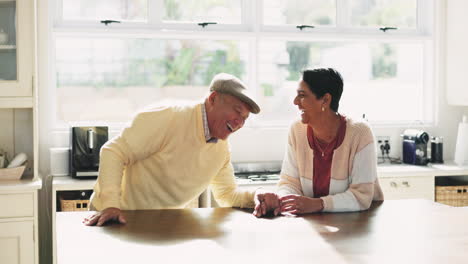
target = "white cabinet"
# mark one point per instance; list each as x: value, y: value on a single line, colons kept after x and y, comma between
x: 16, y: 53
x: 17, y: 242
x: 19, y: 222
x: 456, y: 51
x: 416, y: 187
x: 18, y: 118
x: 18, y: 111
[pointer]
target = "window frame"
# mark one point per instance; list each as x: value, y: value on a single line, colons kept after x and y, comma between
x: 252, y: 30
x: 155, y: 22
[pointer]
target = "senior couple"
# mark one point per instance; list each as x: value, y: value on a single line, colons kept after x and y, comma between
x: 169, y: 155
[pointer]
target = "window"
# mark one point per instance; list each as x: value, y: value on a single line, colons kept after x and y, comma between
x: 225, y: 12
x: 130, y: 73
x: 395, y: 13
x: 298, y: 12
x: 154, y: 50
x: 91, y: 10
x: 376, y: 74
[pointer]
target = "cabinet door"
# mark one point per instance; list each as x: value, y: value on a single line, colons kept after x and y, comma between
x: 408, y: 188
x: 16, y: 242
x: 16, y: 45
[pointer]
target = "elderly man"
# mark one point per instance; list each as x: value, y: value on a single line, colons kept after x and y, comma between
x: 169, y: 155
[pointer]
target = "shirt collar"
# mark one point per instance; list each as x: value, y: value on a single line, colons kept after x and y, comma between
x: 208, y: 137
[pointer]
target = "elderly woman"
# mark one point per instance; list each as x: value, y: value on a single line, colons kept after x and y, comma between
x: 330, y: 163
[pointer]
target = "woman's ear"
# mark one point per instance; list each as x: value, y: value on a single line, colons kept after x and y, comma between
x: 327, y: 99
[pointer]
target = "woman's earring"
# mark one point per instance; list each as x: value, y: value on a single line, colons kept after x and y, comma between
x: 323, y: 109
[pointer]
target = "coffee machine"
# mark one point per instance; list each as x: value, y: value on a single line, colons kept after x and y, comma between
x: 415, y: 147
x: 437, y: 150
x: 86, y: 143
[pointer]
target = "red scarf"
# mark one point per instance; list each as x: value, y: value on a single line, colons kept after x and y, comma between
x: 323, y: 155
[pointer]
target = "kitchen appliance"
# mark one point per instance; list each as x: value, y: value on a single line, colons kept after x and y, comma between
x: 59, y: 161
x: 437, y: 150
x: 255, y: 172
x: 86, y: 143
x: 415, y: 147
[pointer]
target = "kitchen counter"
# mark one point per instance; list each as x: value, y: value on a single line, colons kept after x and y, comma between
x: 402, y: 231
x: 21, y: 185
x: 395, y: 170
x: 63, y: 183
x: 384, y: 171
x: 447, y: 169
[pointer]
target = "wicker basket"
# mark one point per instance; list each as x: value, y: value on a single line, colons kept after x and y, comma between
x: 452, y: 195
x: 74, y: 205
x: 12, y: 173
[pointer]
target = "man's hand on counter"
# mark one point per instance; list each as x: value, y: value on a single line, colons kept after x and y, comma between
x: 104, y: 216
x: 266, y: 202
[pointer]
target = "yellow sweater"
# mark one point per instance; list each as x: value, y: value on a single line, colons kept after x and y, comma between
x: 163, y: 161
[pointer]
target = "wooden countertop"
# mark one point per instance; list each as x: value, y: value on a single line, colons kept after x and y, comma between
x: 400, y: 231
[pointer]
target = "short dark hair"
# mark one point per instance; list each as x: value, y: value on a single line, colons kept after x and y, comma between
x: 325, y: 80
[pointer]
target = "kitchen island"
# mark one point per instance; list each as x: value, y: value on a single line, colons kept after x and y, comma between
x: 397, y: 231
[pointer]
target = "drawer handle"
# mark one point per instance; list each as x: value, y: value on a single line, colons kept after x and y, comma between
x: 405, y: 183
x: 393, y: 184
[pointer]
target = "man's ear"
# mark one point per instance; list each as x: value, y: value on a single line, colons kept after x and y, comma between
x: 211, y: 100
x: 212, y: 97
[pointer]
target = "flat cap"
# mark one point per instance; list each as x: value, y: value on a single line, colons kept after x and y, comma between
x: 229, y: 84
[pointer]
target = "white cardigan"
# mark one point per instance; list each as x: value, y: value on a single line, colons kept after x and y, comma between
x: 353, y: 185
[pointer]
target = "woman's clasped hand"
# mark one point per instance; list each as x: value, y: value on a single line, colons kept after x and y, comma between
x: 290, y: 204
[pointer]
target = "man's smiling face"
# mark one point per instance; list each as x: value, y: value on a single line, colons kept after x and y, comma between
x: 226, y: 114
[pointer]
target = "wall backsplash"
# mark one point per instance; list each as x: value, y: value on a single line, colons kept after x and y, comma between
x: 268, y: 144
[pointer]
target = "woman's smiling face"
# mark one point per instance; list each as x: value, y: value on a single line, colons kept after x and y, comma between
x: 308, y: 103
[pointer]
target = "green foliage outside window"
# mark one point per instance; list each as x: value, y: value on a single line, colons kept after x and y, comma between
x: 172, y: 9
x: 267, y: 89
x: 396, y: 13
x: 299, y: 53
x: 384, y: 62
x: 165, y: 63
x: 223, y: 61
x: 180, y: 68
